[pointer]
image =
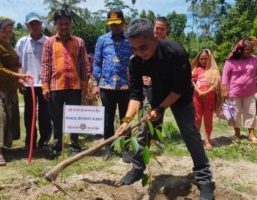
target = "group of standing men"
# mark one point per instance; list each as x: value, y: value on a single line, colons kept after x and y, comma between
x: 58, y: 65
x: 124, y: 66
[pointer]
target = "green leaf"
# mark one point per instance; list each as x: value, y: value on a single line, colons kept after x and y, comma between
x: 119, y: 144
x: 146, y: 155
x: 133, y: 145
x: 139, y: 115
x: 122, y: 143
x: 116, y: 141
x: 159, y: 135
x: 145, y: 180
x: 150, y: 126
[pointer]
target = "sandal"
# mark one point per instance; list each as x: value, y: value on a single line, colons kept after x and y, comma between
x: 208, y: 146
x: 2, y: 160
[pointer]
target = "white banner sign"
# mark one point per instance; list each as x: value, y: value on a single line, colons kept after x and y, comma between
x: 83, y: 119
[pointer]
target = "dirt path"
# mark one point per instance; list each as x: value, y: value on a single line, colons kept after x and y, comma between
x: 173, y: 181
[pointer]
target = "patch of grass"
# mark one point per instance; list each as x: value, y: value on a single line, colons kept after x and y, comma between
x: 220, y: 126
x: 35, y: 170
x: 86, y: 165
x: 245, y: 187
x: 50, y: 197
x: 240, y: 150
x: 177, y: 150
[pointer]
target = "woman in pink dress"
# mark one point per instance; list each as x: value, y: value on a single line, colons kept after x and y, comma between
x: 206, y: 81
x: 239, y: 86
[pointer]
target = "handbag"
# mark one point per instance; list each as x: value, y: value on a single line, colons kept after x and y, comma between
x: 228, y: 111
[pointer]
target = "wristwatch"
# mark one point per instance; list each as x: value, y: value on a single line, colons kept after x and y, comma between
x: 160, y: 109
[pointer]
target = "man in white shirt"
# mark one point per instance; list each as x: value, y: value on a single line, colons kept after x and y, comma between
x: 29, y: 48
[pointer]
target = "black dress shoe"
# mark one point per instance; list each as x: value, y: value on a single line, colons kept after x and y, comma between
x: 132, y: 176
x: 126, y: 157
x: 56, y: 151
x: 206, y: 191
x: 75, y: 149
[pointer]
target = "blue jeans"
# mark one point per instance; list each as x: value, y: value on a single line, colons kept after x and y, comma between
x: 185, y: 119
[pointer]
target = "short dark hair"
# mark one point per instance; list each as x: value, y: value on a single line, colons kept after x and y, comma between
x: 165, y: 21
x: 140, y: 28
x: 62, y: 13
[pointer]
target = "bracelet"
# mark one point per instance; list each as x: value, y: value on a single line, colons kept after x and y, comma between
x: 160, y: 109
x: 127, y: 119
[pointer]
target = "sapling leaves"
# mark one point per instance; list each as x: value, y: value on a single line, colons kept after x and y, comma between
x: 146, y: 155
x: 150, y: 127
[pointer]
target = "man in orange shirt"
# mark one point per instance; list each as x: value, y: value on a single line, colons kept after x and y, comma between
x: 63, y: 75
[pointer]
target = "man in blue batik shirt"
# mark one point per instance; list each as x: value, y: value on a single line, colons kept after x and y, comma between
x: 110, y: 71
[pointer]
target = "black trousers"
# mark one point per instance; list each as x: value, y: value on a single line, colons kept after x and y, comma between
x: 44, y: 121
x: 184, y: 117
x: 110, y: 99
x: 57, y: 100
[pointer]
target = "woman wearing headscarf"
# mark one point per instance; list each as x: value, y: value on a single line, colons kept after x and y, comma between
x: 239, y: 86
x: 9, y: 82
x: 206, y: 81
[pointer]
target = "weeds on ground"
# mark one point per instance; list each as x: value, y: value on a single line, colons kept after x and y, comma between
x: 240, y: 187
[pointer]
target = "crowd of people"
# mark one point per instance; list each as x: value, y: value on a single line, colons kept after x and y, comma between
x: 131, y: 69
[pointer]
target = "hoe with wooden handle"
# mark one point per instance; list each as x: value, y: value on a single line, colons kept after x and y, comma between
x: 53, y: 173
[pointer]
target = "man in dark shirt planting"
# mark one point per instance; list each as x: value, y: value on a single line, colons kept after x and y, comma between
x: 167, y: 64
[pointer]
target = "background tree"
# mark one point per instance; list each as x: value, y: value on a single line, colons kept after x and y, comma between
x: 207, y: 15
x: 240, y: 23
x: 89, y: 26
x: 177, y: 26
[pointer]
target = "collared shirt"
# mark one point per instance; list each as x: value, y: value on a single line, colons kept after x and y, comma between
x: 63, y: 63
x: 110, y: 69
x: 170, y: 71
x: 30, y: 53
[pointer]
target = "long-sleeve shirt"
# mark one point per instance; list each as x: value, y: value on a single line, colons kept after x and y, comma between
x: 239, y: 76
x: 9, y: 63
x: 30, y: 53
x: 110, y: 69
x: 170, y: 71
x: 63, y: 63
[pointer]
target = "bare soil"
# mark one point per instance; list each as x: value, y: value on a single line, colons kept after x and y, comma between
x: 233, y: 181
